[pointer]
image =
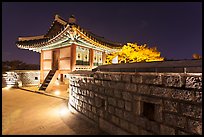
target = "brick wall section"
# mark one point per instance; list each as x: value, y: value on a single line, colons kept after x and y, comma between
x: 26, y: 77
x: 140, y: 103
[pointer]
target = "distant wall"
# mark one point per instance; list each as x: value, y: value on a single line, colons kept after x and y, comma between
x: 139, y: 103
x: 17, y: 77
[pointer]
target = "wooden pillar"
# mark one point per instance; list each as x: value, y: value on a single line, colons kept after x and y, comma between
x: 103, y: 58
x: 91, y: 57
x: 61, y: 78
x: 73, y: 57
x: 41, y: 67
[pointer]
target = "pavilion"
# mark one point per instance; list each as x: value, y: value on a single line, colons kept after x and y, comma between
x: 65, y: 48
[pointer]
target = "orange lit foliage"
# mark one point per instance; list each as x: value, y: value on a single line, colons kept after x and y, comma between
x: 134, y: 53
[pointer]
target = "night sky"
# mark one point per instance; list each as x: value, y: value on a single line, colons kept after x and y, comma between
x: 174, y: 28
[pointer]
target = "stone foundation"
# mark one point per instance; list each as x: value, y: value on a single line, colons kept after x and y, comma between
x: 140, y: 103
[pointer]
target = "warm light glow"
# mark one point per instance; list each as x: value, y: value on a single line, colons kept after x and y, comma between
x: 57, y: 92
x: 134, y: 53
x: 57, y: 82
x: 63, y: 111
x: 8, y: 86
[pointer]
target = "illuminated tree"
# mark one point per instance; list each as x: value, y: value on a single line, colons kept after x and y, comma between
x: 134, y: 53
x: 196, y: 56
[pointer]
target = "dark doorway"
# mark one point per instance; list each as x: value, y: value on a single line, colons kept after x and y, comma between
x: 149, y: 110
x: 55, y: 57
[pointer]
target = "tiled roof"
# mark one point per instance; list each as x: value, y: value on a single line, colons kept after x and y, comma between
x: 58, y: 26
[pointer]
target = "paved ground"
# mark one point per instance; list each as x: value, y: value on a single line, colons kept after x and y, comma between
x: 62, y: 89
x: 26, y: 112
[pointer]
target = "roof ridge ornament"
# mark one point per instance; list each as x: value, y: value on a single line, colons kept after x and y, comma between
x: 72, y: 20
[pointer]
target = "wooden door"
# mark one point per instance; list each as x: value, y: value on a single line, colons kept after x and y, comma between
x: 55, y: 59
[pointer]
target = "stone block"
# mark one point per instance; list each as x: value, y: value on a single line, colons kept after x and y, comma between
x: 97, y: 82
x: 195, y: 126
x: 185, y: 95
x: 170, y: 106
x: 143, y: 89
x: 111, y: 109
x: 111, y: 84
x: 134, y: 129
x: 117, y: 93
x: 130, y: 87
x: 129, y: 116
x: 101, y: 113
x: 141, y: 121
x: 98, y: 102
x: 90, y: 115
x: 87, y: 92
x: 109, y: 91
x: 83, y: 91
x: 79, y: 108
x: 127, y: 96
x: 128, y: 106
x: 193, y: 111
x: 84, y: 105
x: 194, y: 82
x: 112, y: 101
x: 119, y: 85
x: 80, y: 103
x: 88, y: 107
x: 115, y: 119
x: 153, y: 127
x: 173, y: 80
x: 115, y: 77
x: 84, y: 79
x: 124, y: 124
x: 137, y: 107
x: 121, y: 104
x: 152, y: 79
x: 198, y: 97
x: 170, y: 119
x: 110, y: 128
x: 176, y: 121
x: 90, y: 87
x: 96, y: 118
x: 137, y: 78
x: 91, y: 101
x: 166, y: 130
x: 79, y: 91
x: 98, y: 76
x: 126, y: 78
x: 85, y: 99
x: 93, y: 109
x: 119, y: 113
x: 101, y: 90
x: 95, y: 88
x: 182, y: 133
x: 162, y: 92
x: 144, y: 132
x: 106, y: 76
x: 91, y: 94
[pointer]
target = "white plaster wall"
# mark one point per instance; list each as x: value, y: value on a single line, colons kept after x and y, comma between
x: 65, y: 52
x: 47, y: 65
x: 64, y: 64
x: 47, y: 54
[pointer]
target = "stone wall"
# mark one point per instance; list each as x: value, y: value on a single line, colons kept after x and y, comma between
x: 21, y: 78
x: 139, y: 103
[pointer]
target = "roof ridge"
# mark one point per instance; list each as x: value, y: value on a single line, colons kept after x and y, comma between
x: 31, y: 37
x: 60, y: 19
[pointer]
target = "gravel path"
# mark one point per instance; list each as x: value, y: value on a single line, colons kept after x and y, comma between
x: 27, y: 113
